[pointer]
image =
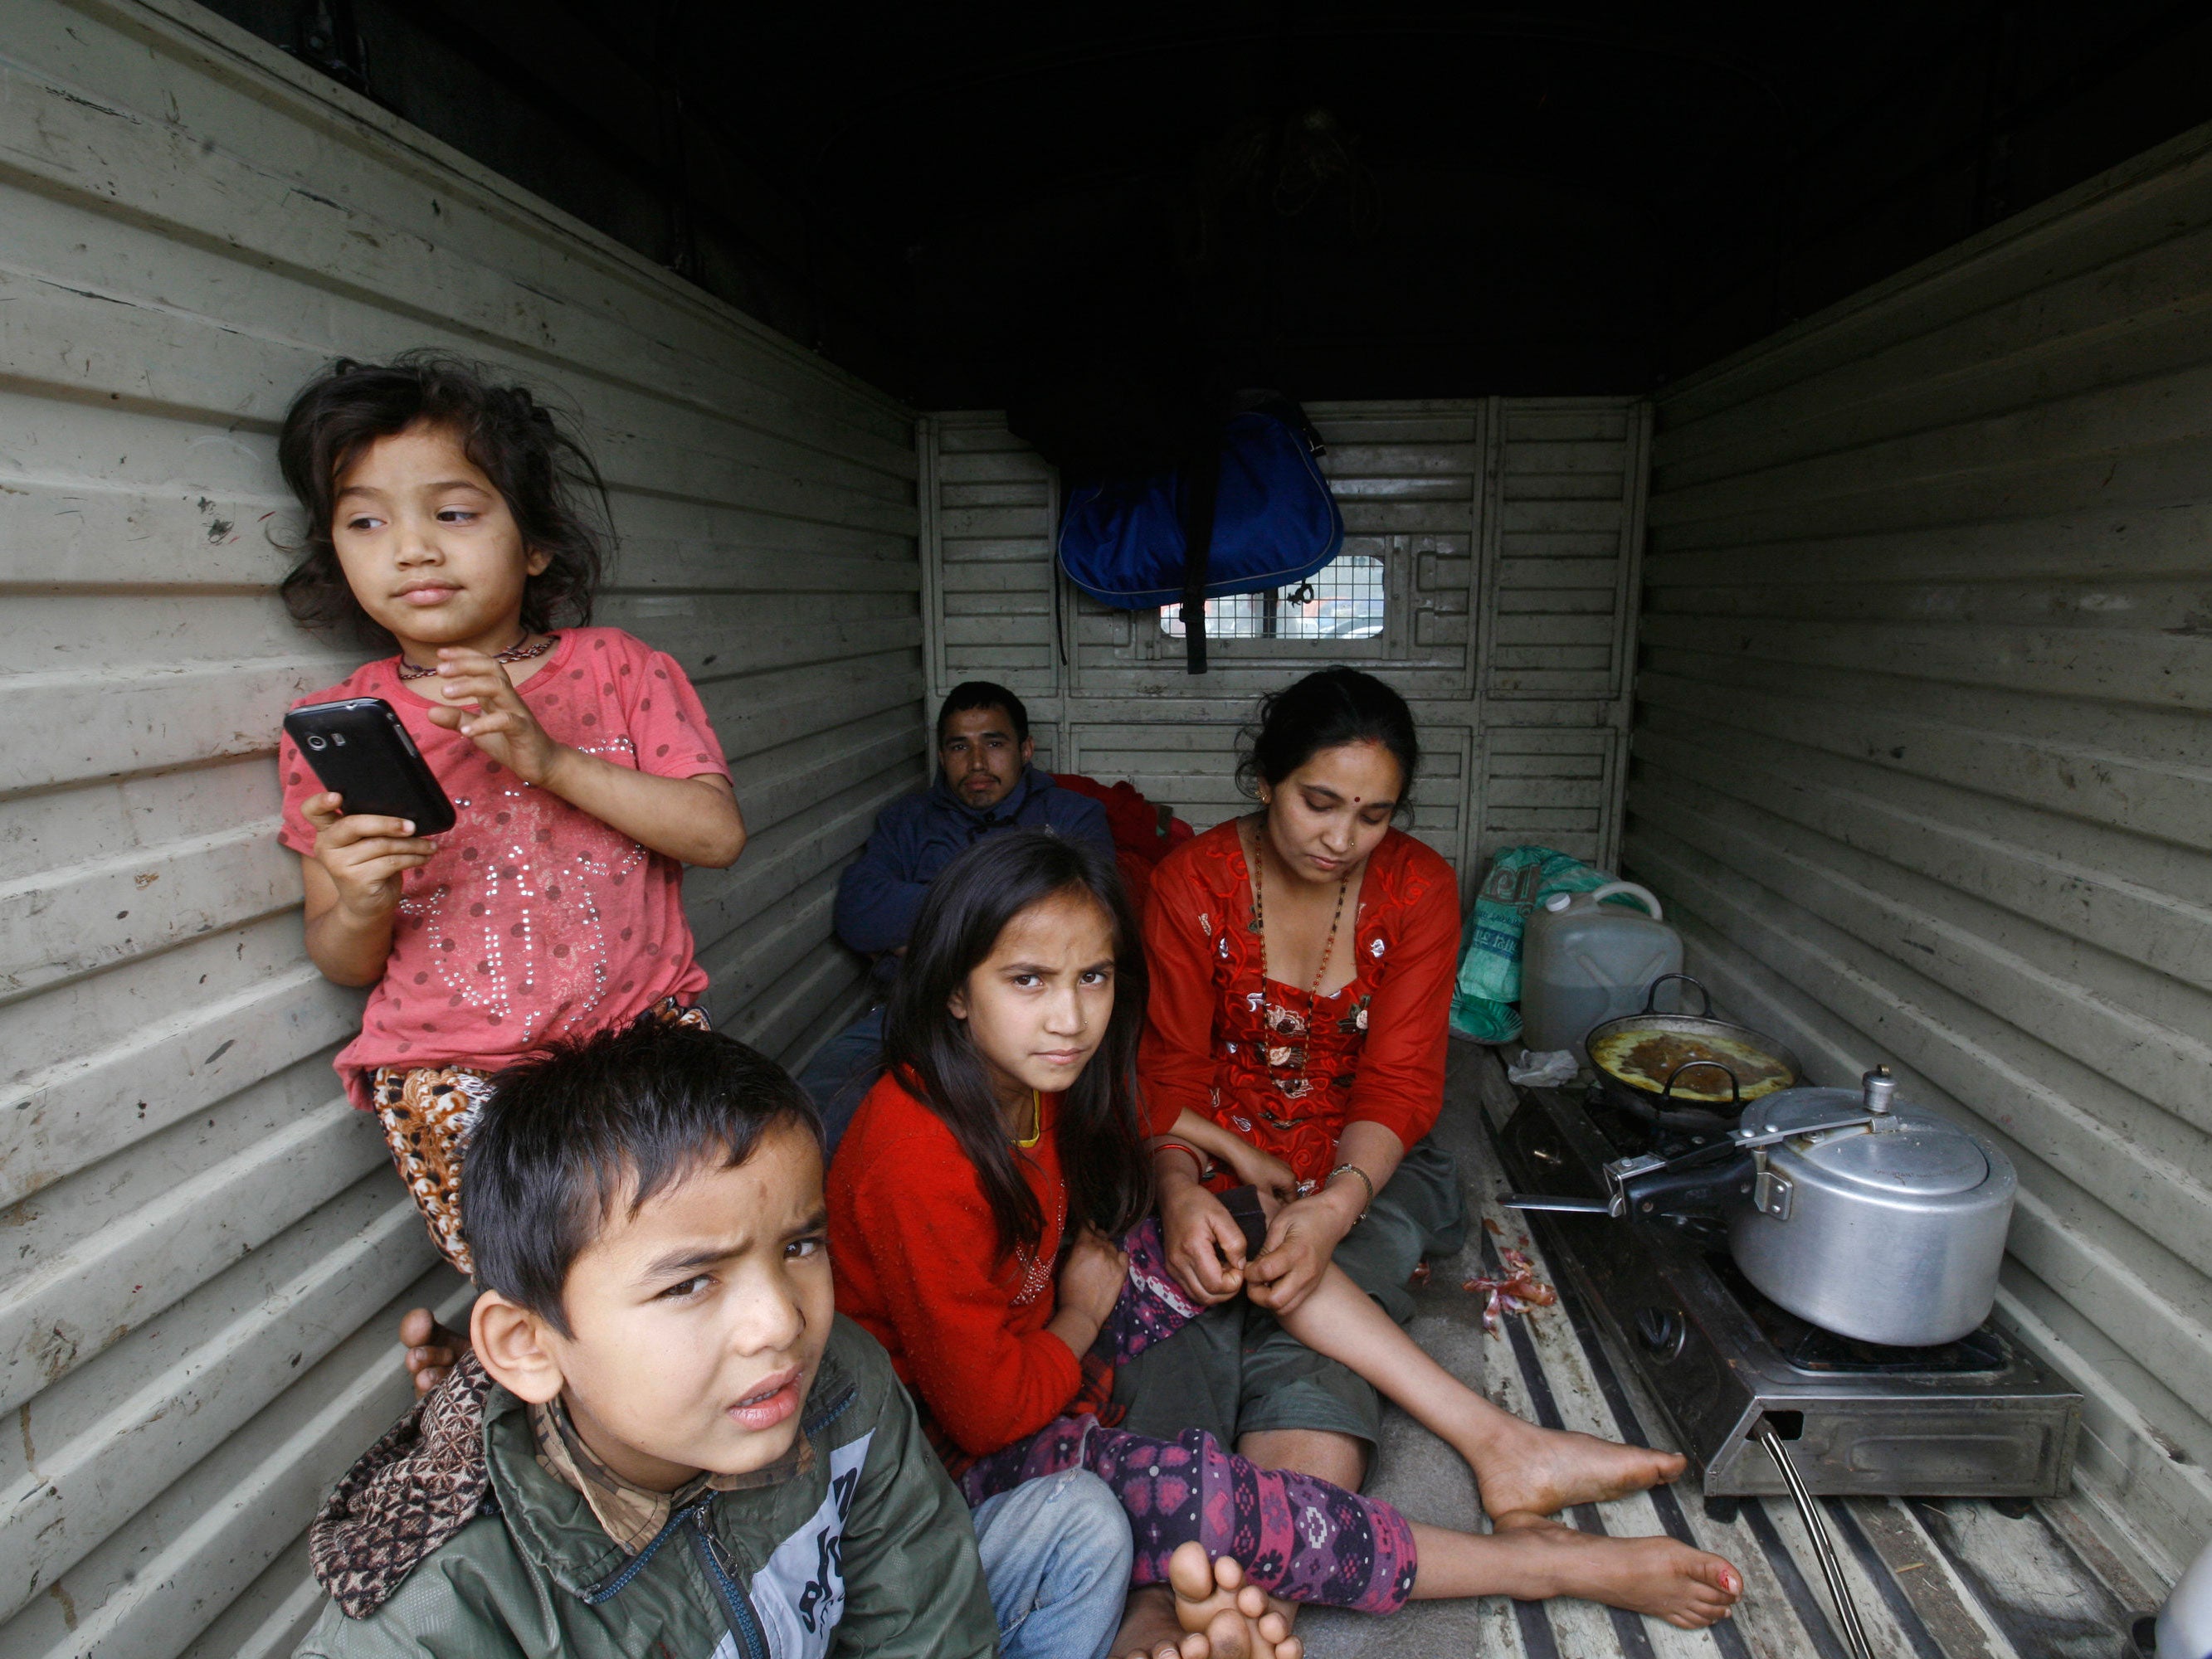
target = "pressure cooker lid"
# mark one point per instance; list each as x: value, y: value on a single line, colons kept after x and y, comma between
x: 1922, y: 1155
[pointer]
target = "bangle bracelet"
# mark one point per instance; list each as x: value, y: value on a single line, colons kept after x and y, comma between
x: 1364, y: 1180
x: 1205, y: 1167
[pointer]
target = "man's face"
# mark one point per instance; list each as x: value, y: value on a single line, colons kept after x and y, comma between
x: 981, y: 757
x: 699, y: 1322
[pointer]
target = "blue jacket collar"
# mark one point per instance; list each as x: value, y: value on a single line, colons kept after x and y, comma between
x: 1031, y: 782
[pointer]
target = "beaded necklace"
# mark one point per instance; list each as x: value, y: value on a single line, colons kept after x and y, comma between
x: 520, y: 650
x: 1328, y: 946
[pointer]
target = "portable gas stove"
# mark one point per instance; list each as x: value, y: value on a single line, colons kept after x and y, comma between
x: 1973, y: 1418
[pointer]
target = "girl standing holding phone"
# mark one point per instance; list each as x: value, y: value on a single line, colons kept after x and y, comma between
x: 443, y: 522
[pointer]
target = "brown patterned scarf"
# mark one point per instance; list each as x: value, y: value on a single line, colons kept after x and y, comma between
x: 428, y: 1478
x: 413, y: 1490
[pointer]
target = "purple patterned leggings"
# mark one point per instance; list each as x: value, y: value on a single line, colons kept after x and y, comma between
x: 1298, y: 1537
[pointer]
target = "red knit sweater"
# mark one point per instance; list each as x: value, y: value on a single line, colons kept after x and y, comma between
x: 915, y: 1254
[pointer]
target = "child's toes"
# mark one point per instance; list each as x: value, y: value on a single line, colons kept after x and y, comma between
x: 1190, y: 1575
x: 1251, y: 1602
x: 1228, y: 1636
x: 1228, y: 1572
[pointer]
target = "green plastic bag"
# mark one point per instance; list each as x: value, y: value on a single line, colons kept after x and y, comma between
x: 1519, y: 878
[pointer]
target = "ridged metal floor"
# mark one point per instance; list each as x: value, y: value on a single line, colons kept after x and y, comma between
x: 1934, y: 1579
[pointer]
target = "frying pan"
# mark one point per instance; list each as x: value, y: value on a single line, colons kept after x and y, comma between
x: 1665, y: 1106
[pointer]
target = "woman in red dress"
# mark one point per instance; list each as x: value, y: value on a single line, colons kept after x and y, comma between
x: 1302, y: 962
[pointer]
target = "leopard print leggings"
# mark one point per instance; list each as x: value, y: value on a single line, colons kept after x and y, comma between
x: 427, y: 1112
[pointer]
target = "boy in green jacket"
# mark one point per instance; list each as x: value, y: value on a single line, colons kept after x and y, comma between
x: 665, y: 1441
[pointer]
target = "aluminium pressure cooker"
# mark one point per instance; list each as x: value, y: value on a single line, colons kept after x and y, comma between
x: 1873, y: 1219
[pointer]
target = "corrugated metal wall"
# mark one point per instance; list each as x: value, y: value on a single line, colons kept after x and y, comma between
x: 207, y: 1249
x: 1923, y: 757
x: 1507, y: 529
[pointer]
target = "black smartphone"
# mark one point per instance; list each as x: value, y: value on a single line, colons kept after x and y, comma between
x: 359, y: 748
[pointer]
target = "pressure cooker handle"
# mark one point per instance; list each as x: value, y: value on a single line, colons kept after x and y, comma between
x: 1706, y: 1188
x: 1651, y: 996
x: 1705, y: 1181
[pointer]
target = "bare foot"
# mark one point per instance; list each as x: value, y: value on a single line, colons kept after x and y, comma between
x: 1543, y: 1471
x: 1150, y: 1629
x: 431, y: 1348
x: 1687, y: 1587
x: 1230, y: 1616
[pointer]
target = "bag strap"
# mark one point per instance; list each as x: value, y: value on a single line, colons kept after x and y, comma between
x: 1202, y: 484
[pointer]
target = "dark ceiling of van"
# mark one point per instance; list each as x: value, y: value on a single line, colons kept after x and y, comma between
x: 990, y: 203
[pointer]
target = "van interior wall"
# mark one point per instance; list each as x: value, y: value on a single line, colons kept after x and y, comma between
x: 1506, y: 530
x: 208, y: 1250
x: 1920, y: 753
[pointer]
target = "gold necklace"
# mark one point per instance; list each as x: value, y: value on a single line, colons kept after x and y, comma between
x: 1260, y: 926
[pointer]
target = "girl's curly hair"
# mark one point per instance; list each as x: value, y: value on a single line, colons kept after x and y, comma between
x: 538, y: 466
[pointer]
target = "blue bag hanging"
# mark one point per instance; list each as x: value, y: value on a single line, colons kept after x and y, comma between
x: 1141, y: 545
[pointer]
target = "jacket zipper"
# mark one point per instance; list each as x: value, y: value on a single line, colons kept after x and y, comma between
x: 737, y: 1612
x: 745, y: 1623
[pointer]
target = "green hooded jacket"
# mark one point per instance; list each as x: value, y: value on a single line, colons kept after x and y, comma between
x: 450, y: 1538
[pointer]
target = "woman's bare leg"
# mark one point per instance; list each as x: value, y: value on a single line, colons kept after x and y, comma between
x: 1533, y: 1560
x: 1527, y: 1557
x: 1518, y: 1466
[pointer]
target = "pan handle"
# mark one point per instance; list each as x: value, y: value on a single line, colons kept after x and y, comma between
x: 1651, y: 996
x: 1566, y: 1205
x: 1735, y: 1089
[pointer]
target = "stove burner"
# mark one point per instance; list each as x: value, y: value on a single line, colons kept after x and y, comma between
x: 1974, y: 1418
x: 1808, y: 1348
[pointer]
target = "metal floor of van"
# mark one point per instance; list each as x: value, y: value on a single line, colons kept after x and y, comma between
x: 1934, y: 1579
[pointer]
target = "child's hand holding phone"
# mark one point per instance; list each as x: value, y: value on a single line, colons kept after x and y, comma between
x: 366, y: 856
x: 360, y: 751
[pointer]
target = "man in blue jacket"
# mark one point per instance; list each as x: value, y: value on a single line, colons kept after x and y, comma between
x: 984, y: 782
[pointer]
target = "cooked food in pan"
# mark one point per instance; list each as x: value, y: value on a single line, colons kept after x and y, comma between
x: 1646, y: 1058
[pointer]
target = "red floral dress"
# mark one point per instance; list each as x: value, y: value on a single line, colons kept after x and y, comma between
x: 1285, y: 1071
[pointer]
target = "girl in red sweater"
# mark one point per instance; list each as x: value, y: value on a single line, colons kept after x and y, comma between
x: 988, y: 1224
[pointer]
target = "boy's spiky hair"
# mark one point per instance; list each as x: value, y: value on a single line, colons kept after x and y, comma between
x: 570, y: 1135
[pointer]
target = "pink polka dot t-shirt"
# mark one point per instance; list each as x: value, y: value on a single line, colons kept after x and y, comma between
x: 533, y: 919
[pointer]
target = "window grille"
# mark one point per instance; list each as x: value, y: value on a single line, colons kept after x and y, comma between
x: 1343, y: 601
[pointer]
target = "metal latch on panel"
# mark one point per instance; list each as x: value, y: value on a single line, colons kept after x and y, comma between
x: 1770, y: 1192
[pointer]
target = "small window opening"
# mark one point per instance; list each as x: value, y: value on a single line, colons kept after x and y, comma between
x: 1341, y: 601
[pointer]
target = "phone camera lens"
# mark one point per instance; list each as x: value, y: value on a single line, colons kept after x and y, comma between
x: 314, y: 742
